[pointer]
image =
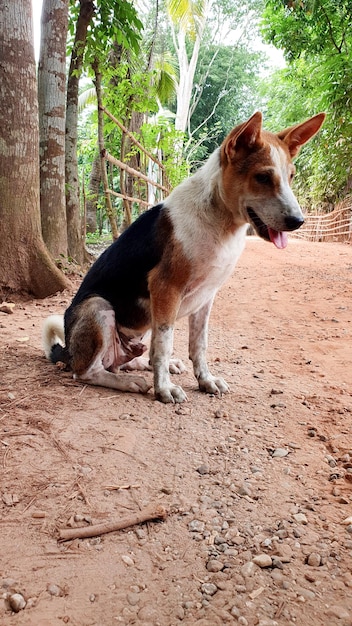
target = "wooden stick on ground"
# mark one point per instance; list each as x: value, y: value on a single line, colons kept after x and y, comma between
x: 150, y: 512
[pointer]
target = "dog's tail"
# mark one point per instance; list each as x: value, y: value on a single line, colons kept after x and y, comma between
x: 53, y: 337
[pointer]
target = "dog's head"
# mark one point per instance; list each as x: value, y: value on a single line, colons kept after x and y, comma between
x: 257, y: 172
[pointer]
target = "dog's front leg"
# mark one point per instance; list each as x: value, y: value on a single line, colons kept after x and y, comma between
x: 198, y: 343
x: 160, y: 353
x: 165, y: 302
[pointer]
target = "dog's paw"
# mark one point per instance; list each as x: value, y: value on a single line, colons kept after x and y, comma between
x: 176, y: 366
x: 214, y: 385
x: 140, y: 363
x: 172, y: 394
x: 137, y: 384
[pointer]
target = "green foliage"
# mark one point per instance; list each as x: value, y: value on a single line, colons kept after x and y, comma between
x: 160, y: 138
x: 113, y: 22
x: 98, y: 238
x: 165, y: 77
x: 128, y: 91
x: 323, y: 165
x: 317, y: 40
x: 177, y: 169
x: 186, y: 13
x: 227, y: 77
x: 312, y: 27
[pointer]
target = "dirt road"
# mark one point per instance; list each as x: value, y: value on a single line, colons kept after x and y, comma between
x: 257, y: 484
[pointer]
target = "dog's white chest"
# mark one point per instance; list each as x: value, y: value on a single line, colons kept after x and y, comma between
x: 210, y: 270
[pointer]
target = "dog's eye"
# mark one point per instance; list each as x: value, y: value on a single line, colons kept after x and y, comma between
x: 263, y: 178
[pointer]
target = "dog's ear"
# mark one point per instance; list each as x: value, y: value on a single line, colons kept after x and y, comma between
x: 295, y: 136
x: 246, y: 135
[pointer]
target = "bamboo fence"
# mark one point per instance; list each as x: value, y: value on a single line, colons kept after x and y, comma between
x: 142, y: 199
x: 333, y: 226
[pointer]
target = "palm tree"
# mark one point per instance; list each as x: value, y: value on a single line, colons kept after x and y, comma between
x: 187, y: 19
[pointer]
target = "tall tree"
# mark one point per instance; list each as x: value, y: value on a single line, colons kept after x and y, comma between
x: 76, y: 248
x: 187, y: 18
x: 104, y: 175
x: 25, y: 264
x: 113, y: 21
x: 93, y: 195
x: 51, y: 101
x: 200, y: 24
x: 229, y: 94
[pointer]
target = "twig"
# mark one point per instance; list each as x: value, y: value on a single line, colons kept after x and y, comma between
x: 20, y: 433
x: 279, y: 609
x: 80, y: 492
x: 18, y: 400
x: 123, y: 452
x: 39, y: 491
x: 148, y: 513
x: 6, y: 454
x: 118, y: 487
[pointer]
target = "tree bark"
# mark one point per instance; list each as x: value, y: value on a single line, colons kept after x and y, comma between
x: 93, y: 195
x: 104, y: 175
x: 76, y: 247
x: 25, y: 264
x: 51, y: 100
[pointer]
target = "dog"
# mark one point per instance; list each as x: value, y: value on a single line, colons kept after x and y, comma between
x: 172, y: 260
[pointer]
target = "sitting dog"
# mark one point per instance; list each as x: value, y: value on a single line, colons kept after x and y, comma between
x: 172, y: 260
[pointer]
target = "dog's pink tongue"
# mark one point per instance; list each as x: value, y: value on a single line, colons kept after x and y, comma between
x: 278, y: 238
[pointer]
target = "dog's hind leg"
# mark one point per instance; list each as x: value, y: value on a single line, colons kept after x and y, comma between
x: 97, y: 375
x: 96, y: 348
x: 198, y: 343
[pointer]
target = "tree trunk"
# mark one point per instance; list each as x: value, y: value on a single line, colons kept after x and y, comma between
x: 134, y: 161
x: 93, y: 195
x: 51, y: 100
x: 76, y: 248
x: 25, y: 264
x: 104, y: 175
x: 187, y: 67
x: 187, y: 70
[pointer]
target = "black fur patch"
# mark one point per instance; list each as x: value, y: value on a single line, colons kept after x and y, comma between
x: 59, y: 353
x: 120, y: 274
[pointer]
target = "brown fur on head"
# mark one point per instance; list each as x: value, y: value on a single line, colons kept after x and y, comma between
x: 257, y: 172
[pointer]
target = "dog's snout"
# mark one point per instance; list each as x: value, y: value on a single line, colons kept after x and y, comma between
x: 292, y: 222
